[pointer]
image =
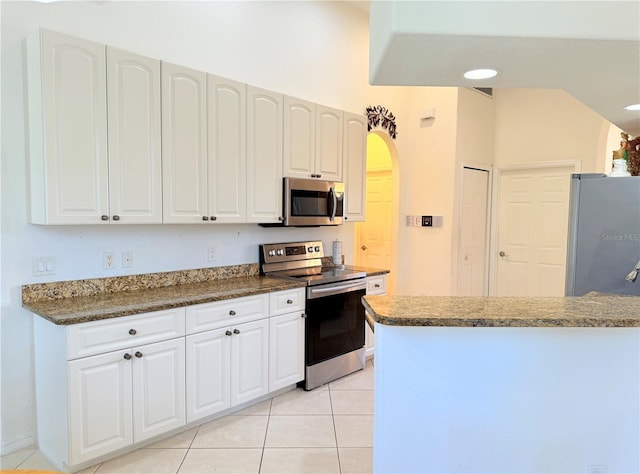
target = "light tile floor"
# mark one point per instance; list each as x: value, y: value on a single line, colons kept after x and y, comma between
x: 326, y: 430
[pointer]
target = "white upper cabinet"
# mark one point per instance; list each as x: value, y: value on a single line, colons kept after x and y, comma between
x: 184, y: 144
x: 68, y: 130
x: 328, y: 143
x: 299, y: 138
x: 135, y: 166
x: 312, y: 140
x: 226, y: 102
x: 264, y: 156
x: 355, y: 166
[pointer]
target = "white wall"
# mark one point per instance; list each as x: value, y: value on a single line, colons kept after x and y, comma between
x: 314, y: 50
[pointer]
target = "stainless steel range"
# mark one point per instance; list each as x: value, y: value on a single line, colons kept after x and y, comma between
x: 334, y: 324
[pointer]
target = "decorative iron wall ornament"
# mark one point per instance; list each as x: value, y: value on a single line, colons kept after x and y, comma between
x: 379, y: 116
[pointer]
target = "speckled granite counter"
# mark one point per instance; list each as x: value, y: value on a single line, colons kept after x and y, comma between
x: 79, y: 301
x: 585, y: 311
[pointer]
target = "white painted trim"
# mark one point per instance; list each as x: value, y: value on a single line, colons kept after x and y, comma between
x: 26, y: 440
x: 495, y: 207
x: 455, y: 234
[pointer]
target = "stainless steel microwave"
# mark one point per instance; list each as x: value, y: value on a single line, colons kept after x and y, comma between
x: 311, y: 202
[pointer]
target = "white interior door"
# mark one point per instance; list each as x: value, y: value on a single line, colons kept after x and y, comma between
x: 472, y: 250
x: 533, y: 206
x: 374, y: 246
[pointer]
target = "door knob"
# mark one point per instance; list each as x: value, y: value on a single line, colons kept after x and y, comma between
x: 364, y: 247
x: 502, y: 253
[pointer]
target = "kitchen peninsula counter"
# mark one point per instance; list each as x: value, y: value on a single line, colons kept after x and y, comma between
x: 472, y: 311
x: 489, y: 384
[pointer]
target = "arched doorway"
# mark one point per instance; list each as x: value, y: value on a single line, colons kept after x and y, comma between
x: 376, y: 237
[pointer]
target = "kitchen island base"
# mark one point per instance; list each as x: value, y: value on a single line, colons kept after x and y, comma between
x: 506, y: 399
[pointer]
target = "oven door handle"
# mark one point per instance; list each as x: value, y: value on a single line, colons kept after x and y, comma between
x: 313, y: 292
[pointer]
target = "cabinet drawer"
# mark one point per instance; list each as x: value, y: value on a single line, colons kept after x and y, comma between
x: 206, y: 316
x: 377, y: 285
x: 287, y: 301
x: 112, y: 334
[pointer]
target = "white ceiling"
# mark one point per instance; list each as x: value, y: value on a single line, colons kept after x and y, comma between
x: 591, y: 49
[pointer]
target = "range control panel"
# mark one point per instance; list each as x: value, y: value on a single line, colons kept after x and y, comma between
x: 274, y: 253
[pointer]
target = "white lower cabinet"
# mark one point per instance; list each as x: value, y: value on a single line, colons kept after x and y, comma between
x: 376, y: 285
x: 226, y: 367
x: 124, y: 397
x: 286, y: 350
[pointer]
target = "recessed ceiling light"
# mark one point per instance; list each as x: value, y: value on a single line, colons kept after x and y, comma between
x: 480, y: 73
x: 632, y: 107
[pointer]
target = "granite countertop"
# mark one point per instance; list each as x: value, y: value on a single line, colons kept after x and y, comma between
x: 582, y: 311
x: 368, y: 270
x: 80, y: 301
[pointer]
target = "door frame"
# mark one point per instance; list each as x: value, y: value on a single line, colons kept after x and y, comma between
x: 458, y: 223
x: 495, y: 207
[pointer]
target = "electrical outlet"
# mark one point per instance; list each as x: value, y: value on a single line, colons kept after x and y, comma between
x: 127, y: 259
x: 211, y: 254
x: 107, y: 261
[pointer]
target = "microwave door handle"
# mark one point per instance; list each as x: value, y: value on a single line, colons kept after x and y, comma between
x: 334, y: 202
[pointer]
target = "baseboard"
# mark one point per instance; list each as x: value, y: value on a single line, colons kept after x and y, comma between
x: 24, y: 441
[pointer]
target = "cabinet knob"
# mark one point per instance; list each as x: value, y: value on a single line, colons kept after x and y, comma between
x: 205, y: 218
x: 127, y: 356
x: 236, y: 331
x: 133, y: 332
x: 318, y: 176
x: 289, y: 302
x: 377, y: 285
x: 116, y: 218
x: 227, y: 333
x: 213, y: 218
x: 281, y: 219
x: 104, y: 218
x: 138, y: 354
x: 232, y: 313
x: 303, y: 316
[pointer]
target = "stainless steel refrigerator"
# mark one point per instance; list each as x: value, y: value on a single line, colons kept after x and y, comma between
x: 603, y: 251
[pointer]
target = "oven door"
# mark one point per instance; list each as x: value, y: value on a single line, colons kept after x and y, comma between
x: 335, y: 320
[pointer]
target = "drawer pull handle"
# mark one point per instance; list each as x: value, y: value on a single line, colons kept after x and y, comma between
x: 377, y: 285
x: 133, y: 332
x: 236, y: 331
x: 232, y: 313
x: 127, y: 356
x: 138, y: 354
x: 289, y: 302
x: 227, y: 333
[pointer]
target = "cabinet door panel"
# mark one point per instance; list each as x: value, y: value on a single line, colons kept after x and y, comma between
x: 328, y: 148
x: 299, y: 138
x: 208, y: 370
x: 355, y: 166
x: 184, y: 144
x: 100, y: 409
x: 264, y: 156
x: 74, y: 125
x: 158, y: 388
x: 286, y: 350
x: 249, y: 361
x: 227, y: 149
x: 135, y: 174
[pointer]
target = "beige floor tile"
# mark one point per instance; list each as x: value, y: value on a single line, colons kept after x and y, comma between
x: 14, y: 459
x: 301, y: 402
x: 261, y: 408
x: 300, y: 431
x: 145, y: 461
x: 37, y: 462
x: 300, y: 461
x: 232, y: 432
x: 228, y: 461
x: 181, y: 440
x: 90, y: 469
x: 356, y: 460
x: 354, y: 431
x: 361, y: 380
x: 352, y: 402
